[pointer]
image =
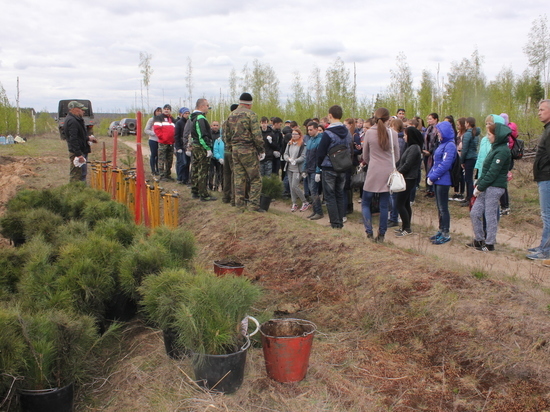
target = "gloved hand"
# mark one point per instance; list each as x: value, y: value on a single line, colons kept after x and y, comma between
x: 261, y: 156
x: 277, y: 154
x: 304, y: 175
x: 221, y: 161
x: 293, y: 162
x: 429, y: 182
x: 270, y: 139
x: 317, y: 177
x: 209, y: 153
x: 476, y: 192
x: 188, y: 153
x: 179, y: 151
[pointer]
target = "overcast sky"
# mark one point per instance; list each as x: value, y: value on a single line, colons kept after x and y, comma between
x: 90, y: 50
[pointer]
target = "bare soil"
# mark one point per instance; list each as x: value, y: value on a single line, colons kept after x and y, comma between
x: 402, y: 326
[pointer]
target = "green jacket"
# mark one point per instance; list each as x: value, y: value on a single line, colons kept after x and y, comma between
x: 497, y: 162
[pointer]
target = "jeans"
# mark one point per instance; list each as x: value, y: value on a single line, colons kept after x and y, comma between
x: 442, y: 200
x: 333, y: 189
x: 315, y: 195
x: 469, y: 177
x: 367, y: 216
x: 266, y: 168
x: 154, y: 159
x: 394, y: 211
x: 544, y: 199
x: 181, y: 161
x: 486, y: 205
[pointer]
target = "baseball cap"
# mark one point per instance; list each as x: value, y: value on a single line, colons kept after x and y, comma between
x: 75, y: 105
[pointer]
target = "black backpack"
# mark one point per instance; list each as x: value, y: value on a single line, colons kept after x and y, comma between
x: 340, y: 157
x: 456, y: 172
x: 517, y: 149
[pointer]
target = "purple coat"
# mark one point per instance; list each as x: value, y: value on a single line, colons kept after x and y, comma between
x: 379, y: 161
x: 444, y: 156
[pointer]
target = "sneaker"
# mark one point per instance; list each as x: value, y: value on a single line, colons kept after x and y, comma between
x: 404, y: 233
x: 311, y: 215
x: 538, y: 256
x: 434, y: 237
x: 379, y: 239
x: 294, y: 208
x: 476, y: 244
x: 505, y: 211
x: 397, y: 230
x: 316, y: 217
x: 305, y: 206
x: 392, y: 223
x: 486, y: 248
x: 370, y: 236
x: 441, y: 239
x: 464, y: 203
x: 534, y: 249
x: 344, y: 219
x: 208, y: 199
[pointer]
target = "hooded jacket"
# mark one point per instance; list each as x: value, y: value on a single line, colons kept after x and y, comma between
x: 165, y: 128
x: 411, y: 160
x: 497, y: 162
x: 200, y: 131
x: 485, y: 147
x: 334, y: 135
x: 444, y: 156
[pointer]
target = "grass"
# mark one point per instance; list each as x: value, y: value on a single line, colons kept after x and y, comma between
x: 398, y: 331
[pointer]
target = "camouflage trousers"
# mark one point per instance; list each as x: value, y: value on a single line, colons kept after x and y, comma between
x: 199, y: 169
x: 78, y: 174
x: 246, y: 171
x: 228, y: 184
x: 165, y: 160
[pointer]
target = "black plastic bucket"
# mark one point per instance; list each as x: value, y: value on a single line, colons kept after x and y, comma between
x: 171, y: 346
x: 220, y: 373
x: 47, y: 400
x: 265, y: 202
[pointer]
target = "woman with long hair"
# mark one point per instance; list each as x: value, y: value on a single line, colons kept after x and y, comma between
x: 468, y: 155
x: 153, y: 142
x: 377, y: 155
x: 295, y: 155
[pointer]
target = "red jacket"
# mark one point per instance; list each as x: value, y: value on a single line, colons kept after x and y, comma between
x: 164, y: 127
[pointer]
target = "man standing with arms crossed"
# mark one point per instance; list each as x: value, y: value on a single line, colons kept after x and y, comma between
x: 77, y: 141
x: 202, y: 150
x: 244, y: 133
x: 541, y: 174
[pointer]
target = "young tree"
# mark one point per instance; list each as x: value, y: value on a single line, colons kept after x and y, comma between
x: 263, y: 84
x: 233, y: 81
x: 500, y: 94
x: 537, y: 50
x: 401, y: 92
x: 339, y: 89
x: 426, y: 94
x: 147, y: 72
x: 189, y: 81
x: 316, y: 86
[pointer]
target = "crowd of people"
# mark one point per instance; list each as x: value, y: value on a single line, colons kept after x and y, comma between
x: 317, y: 168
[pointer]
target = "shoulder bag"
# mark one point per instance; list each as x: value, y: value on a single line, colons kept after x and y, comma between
x: 396, y: 181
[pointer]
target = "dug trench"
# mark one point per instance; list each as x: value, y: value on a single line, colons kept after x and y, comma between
x: 398, y: 328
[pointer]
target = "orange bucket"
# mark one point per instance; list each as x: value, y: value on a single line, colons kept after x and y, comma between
x: 286, y: 345
x: 227, y: 267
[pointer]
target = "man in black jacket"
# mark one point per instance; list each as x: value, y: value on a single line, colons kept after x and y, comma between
x: 77, y: 141
x: 180, y: 145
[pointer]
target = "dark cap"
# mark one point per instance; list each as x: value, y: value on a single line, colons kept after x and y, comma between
x: 184, y: 110
x: 245, y: 98
x: 75, y: 105
x: 167, y: 106
x: 233, y: 106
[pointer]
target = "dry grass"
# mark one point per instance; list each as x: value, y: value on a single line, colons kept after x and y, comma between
x: 398, y: 331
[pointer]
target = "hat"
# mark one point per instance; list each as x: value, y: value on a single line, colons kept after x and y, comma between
x: 167, y: 106
x: 75, y: 105
x: 184, y: 110
x: 233, y: 106
x: 287, y: 121
x: 245, y: 98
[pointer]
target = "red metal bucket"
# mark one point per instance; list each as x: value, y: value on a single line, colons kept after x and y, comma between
x: 228, y: 267
x: 286, y: 345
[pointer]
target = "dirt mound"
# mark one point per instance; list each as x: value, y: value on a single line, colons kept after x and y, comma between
x: 12, y: 173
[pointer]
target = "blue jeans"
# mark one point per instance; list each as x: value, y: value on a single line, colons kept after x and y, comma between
x: 442, y: 200
x: 367, y: 216
x: 314, y: 190
x: 333, y: 189
x: 154, y: 158
x: 394, y: 211
x: 181, y: 161
x: 266, y: 168
x: 544, y: 199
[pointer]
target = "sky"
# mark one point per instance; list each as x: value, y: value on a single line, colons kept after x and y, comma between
x: 90, y: 50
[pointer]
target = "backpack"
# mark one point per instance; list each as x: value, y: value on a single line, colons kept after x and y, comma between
x: 340, y: 157
x: 517, y: 149
x: 456, y: 172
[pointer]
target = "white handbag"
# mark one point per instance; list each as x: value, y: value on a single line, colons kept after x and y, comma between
x: 396, y: 181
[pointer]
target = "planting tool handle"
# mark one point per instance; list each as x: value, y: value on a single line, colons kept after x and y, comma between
x: 257, y: 325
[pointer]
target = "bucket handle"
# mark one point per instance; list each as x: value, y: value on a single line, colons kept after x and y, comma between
x: 244, y: 330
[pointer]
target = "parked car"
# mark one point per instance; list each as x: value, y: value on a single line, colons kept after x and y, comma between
x: 112, y: 127
x: 88, y: 116
x: 127, y: 126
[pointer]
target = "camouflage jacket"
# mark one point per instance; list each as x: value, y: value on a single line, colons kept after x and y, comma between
x: 242, y: 129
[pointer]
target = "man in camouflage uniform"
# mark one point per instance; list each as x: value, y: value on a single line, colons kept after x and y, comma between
x: 202, y: 150
x: 244, y: 133
x: 228, y: 183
